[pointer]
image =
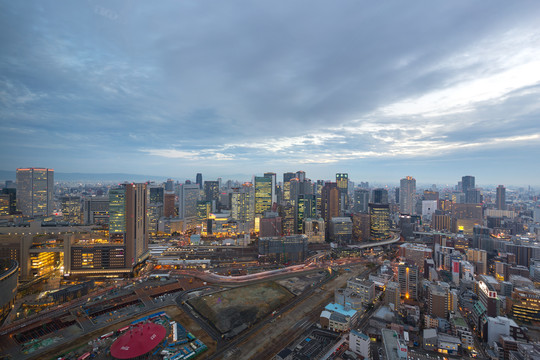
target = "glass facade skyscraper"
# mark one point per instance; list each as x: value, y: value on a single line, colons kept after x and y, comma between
x: 379, y: 221
x: 117, y: 211
x: 263, y: 195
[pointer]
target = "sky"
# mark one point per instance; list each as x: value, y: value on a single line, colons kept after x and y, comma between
x: 380, y: 90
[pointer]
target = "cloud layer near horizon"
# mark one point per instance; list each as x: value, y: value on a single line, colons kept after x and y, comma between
x: 233, y: 87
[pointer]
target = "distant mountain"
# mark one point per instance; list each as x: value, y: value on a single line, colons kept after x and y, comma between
x: 86, y: 177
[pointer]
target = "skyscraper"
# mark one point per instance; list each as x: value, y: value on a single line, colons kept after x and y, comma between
x: 329, y: 202
x: 243, y: 207
x: 204, y: 208
x: 199, y: 181
x: 342, y: 181
x: 211, y: 193
x: 288, y: 176
x: 408, y: 278
x: 156, y: 198
x: 467, y: 183
x: 379, y: 196
x: 169, y: 204
x: 263, y: 195
x: 169, y: 185
x: 361, y: 200
x: 306, y: 207
x: 35, y: 191
x: 379, y: 221
x: 187, y: 202
x: 407, y: 191
x: 128, y: 221
x: 272, y: 176
x: 473, y: 196
x: 500, y: 202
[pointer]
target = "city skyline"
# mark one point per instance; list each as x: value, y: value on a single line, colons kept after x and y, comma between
x: 236, y: 89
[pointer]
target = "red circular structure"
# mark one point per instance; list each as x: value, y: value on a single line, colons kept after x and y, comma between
x: 138, y: 341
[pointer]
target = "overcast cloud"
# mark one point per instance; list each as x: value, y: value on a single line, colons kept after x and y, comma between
x: 380, y: 90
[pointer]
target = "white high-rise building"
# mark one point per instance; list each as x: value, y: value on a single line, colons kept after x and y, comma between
x: 407, y: 191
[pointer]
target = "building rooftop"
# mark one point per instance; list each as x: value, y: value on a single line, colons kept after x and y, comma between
x: 393, y: 348
x: 459, y: 321
x: 337, y: 317
x: 448, y: 338
x: 326, y: 314
x: 359, y: 334
x: 333, y: 307
x: 341, y: 220
x: 430, y: 333
x: 384, y: 313
x: 417, y: 247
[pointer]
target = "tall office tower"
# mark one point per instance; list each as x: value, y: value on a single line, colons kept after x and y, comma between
x: 188, y: 196
x: 204, y: 209
x: 298, y: 188
x: 286, y: 198
x: 379, y: 223
x: 467, y: 183
x: 199, y: 181
x: 379, y: 196
x: 317, y: 189
x: 306, y: 207
x: 288, y: 176
x: 396, y: 195
x: 301, y: 175
x: 71, y: 209
x: 287, y: 213
x: 361, y: 200
x: 155, y: 194
x: 211, y: 193
x: 263, y: 195
x: 408, y: 281
x: 156, y: 199
x: 329, y: 202
x: 473, y: 196
x: 500, y: 202
x: 169, y: 204
x: 35, y: 191
x: 128, y: 221
x: 342, y: 181
x: 272, y: 176
x: 169, y: 185
x: 407, y: 191
x: 243, y: 206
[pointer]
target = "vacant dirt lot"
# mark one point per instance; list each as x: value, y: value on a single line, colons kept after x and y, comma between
x: 241, y: 306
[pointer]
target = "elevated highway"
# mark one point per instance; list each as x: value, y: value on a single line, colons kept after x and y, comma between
x: 394, y: 239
